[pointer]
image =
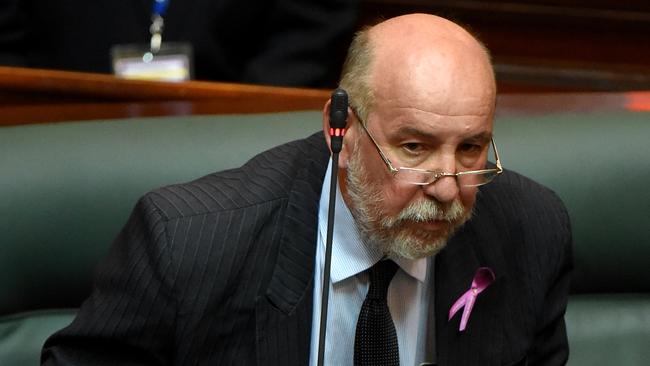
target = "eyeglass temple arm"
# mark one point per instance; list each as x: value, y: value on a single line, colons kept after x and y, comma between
x: 381, y: 153
x: 496, y: 156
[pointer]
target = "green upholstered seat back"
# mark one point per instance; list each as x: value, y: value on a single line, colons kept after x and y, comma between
x: 599, y: 164
x: 22, y: 335
x: 609, y: 329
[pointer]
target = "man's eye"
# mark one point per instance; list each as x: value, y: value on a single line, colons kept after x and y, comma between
x: 470, y: 148
x: 412, y: 147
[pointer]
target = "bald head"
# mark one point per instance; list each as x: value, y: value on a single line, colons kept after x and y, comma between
x: 421, y: 59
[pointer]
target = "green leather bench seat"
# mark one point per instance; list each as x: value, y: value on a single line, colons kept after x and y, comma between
x: 67, y: 188
x: 22, y: 335
x: 609, y: 329
x: 599, y: 164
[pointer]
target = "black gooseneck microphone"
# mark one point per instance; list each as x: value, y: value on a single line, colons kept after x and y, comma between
x: 338, y: 122
x: 338, y: 118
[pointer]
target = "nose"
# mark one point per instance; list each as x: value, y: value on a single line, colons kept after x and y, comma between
x: 443, y: 190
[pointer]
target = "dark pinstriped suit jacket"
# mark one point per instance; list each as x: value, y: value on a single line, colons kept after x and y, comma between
x: 219, y: 271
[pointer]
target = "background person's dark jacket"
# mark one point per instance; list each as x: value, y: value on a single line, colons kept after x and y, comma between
x: 278, y: 42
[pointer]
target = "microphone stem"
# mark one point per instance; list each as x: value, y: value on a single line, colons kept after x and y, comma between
x: 328, y: 259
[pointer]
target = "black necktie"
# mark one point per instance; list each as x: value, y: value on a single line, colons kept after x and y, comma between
x: 375, y: 340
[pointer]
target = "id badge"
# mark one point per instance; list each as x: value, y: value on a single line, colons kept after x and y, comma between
x: 173, y: 62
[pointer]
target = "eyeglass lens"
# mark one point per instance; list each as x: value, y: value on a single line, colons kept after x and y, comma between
x: 421, y: 177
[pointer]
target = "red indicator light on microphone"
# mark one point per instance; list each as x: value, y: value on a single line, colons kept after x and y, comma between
x: 337, y: 132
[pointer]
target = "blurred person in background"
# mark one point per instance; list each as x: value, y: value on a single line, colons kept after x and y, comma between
x: 281, y: 42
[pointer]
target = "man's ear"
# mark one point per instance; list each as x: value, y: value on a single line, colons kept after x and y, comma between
x: 348, y: 139
x: 326, y: 124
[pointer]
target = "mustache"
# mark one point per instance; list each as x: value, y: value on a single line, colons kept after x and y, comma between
x: 428, y: 210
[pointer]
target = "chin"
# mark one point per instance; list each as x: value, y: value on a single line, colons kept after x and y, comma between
x: 415, y: 242
x: 419, y: 244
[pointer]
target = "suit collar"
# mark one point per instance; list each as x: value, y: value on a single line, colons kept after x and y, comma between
x: 294, y: 268
x: 284, y: 314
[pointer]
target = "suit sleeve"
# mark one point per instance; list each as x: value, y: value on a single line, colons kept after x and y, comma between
x: 12, y: 33
x: 305, y: 43
x: 129, y: 317
x: 551, y: 344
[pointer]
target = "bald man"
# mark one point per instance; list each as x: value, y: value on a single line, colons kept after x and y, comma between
x: 228, y: 269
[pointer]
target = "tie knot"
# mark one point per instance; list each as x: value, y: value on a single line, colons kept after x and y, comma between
x: 380, y: 276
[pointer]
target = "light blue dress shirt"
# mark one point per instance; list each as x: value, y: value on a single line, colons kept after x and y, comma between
x: 410, y: 295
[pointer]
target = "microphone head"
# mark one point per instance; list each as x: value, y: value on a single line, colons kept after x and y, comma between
x: 339, y: 109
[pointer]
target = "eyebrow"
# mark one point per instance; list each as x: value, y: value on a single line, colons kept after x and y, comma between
x: 412, y: 131
x: 482, y: 137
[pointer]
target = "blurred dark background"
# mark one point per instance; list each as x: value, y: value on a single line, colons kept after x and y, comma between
x: 537, y: 45
x: 548, y: 45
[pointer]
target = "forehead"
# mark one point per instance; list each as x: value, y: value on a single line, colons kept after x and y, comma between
x: 447, y: 100
x: 398, y: 122
x: 436, y: 83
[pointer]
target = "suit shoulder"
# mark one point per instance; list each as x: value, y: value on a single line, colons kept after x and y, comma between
x: 525, y: 208
x: 267, y: 177
x: 521, y: 193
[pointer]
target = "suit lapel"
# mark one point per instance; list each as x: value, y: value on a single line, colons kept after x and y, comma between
x: 476, y: 245
x: 284, y: 314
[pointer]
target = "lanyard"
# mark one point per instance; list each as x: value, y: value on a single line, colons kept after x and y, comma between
x: 157, y: 23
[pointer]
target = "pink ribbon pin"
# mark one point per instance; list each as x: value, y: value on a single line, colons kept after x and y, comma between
x: 482, y: 279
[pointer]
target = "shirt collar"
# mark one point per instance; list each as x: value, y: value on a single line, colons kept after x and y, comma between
x: 350, y: 255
